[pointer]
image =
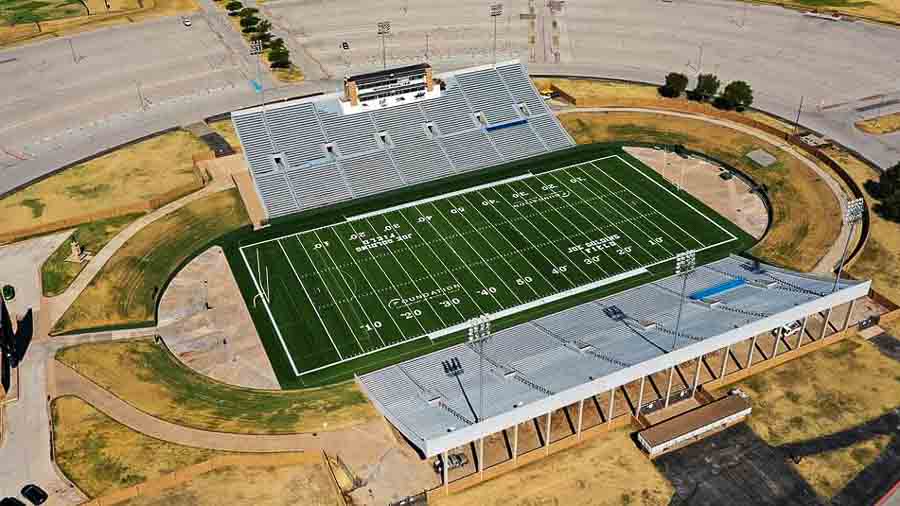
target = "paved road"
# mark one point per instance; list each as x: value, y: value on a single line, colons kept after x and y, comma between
x: 63, y: 111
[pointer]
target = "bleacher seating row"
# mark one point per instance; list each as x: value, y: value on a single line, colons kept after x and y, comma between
x: 304, y: 154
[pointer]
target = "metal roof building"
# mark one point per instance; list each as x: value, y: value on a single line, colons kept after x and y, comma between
x: 547, y: 364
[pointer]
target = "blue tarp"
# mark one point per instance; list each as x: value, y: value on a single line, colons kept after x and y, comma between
x: 508, y: 124
x: 717, y: 289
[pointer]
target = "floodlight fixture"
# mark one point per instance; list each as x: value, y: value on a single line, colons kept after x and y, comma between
x: 853, y: 214
x: 685, y: 263
x: 452, y: 367
x: 614, y: 313
x: 384, y: 30
x: 496, y: 11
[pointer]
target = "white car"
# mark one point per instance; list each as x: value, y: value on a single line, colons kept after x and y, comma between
x: 788, y: 329
x: 186, y: 21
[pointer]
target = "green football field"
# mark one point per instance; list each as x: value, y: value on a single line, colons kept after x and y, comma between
x: 423, y: 269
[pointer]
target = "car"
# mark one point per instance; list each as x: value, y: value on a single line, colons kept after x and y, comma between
x: 788, y: 329
x: 454, y: 460
x: 34, y: 494
x: 186, y: 21
x: 11, y: 501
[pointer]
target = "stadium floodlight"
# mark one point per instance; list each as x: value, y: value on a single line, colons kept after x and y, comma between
x: 685, y: 263
x: 853, y: 214
x: 496, y: 11
x: 479, y: 332
x: 452, y: 367
x: 256, y: 48
x: 384, y: 29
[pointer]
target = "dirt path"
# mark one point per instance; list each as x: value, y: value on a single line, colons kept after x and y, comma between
x: 831, y: 258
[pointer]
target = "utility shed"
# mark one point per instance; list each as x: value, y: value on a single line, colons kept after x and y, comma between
x: 694, y: 425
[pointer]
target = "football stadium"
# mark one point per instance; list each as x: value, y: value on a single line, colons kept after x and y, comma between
x: 441, y: 239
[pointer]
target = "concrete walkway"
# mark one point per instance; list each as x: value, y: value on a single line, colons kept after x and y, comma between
x: 831, y: 258
x: 57, y: 306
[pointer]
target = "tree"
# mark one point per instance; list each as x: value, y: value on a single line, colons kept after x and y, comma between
x: 887, y: 190
x: 249, y: 22
x: 675, y: 85
x: 279, y: 58
x: 234, y: 7
x: 737, y: 95
x: 277, y: 44
x: 264, y: 26
x: 265, y: 37
x: 247, y: 12
x: 707, y: 86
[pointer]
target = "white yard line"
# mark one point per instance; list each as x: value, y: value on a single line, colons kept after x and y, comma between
x: 311, y: 302
x: 488, y: 220
x: 438, y: 197
x: 371, y: 287
x: 344, y: 279
x: 485, y: 262
x: 630, y: 206
x: 579, y: 229
x: 502, y: 256
x: 415, y: 285
x: 429, y: 273
x: 447, y: 269
x: 391, y: 281
x: 598, y: 213
x: 327, y: 289
x: 564, y: 255
x: 269, y: 312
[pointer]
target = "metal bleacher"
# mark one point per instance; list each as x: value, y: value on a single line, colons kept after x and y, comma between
x: 304, y: 154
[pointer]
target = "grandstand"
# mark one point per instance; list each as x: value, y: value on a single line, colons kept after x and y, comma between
x: 565, y: 359
x: 317, y: 151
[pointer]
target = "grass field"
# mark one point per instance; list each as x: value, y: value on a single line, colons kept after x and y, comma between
x: 14, y: 12
x: 126, y: 289
x: 806, y: 216
x: 158, y: 384
x: 117, y: 183
x: 889, y: 123
x: 57, y: 274
x: 381, y: 279
x: 100, y: 455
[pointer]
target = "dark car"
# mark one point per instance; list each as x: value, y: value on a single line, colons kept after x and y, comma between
x: 34, y: 494
x: 11, y: 501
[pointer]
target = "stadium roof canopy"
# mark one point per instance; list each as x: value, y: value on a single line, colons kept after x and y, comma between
x: 555, y: 361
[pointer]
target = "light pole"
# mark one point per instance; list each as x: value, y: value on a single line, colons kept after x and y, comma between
x: 496, y: 11
x: 853, y: 214
x: 685, y: 263
x: 256, y: 48
x: 479, y: 332
x: 384, y: 29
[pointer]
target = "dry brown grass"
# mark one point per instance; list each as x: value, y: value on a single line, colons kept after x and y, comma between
x: 887, y: 11
x: 20, y: 34
x: 290, y: 485
x: 805, y: 224
x: 608, y: 470
x: 827, y: 391
x: 881, y: 256
x: 148, y: 377
x: 830, y: 472
x: 127, y: 177
x: 886, y: 124
x: 125, y: 290
x: 99, y: 454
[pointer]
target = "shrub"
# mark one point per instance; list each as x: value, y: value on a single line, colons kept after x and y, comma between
x: 246, y: 12
x: 250, y: 22
x: 234, y: 7
x: 887, y: 190
x: 675, y: 85
x: 707, y: 87
x: 9, y: 293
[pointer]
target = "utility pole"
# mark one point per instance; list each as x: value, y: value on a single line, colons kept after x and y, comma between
x: 256, y: 49
x: 384, y: 29
x: 685, y: 263
x: 496, y: 11
x: 141, y: 102
x: 479, y: 332
x: 426, y: 47
x: 799, y: 110
x: 852, y: 215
